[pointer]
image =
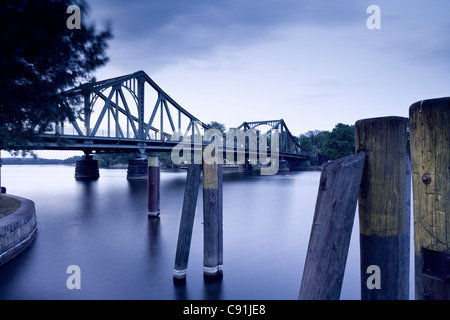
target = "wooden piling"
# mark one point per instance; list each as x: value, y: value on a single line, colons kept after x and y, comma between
x: 212, y: 220
x: 430, y: 159
x: 187, y: 221
x: 331, y: 230
x: 384, y: 208
x: 153, y: 184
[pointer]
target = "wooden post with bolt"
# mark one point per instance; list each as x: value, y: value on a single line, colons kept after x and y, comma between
x: 430, y: 159
x: 384, y: 208
x: 212, y: 220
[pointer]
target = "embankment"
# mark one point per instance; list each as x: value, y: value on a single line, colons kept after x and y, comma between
x: 17, y: 230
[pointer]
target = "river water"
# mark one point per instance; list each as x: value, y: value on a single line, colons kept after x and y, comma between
x: 102, y: 227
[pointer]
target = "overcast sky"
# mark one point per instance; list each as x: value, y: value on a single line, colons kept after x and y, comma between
x: 312, y: 63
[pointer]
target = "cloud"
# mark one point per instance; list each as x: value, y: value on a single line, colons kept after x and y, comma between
x: 417, y: 32
x: 158, y: 33
x: 310, y: 62
x: 163, y: 32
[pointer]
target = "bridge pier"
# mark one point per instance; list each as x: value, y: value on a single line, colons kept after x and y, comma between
x: 295, y: 165
x: 87, y: 168
x: 247, y: 166
x: 283, y: 165
x: 137, y: 168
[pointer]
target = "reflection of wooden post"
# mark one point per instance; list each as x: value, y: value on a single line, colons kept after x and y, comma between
x: 430, y: 159
x: 212, y: 220
x: 153, y: 187
x: 187, y: 221
x: 1, y: 174
x: 384, y: 208
x: 331, y: 230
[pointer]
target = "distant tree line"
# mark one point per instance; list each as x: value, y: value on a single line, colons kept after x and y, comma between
x: 322, y: 146
x: 110, y: 160
x: 107, y: 160
x: 35, y: 160
x: 326, y: 145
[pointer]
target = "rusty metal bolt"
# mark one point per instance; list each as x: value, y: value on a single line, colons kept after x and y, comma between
x: 212, y: 198
x: 426, y: 178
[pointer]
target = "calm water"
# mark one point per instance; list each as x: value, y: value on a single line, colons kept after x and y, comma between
x: 103, y: 228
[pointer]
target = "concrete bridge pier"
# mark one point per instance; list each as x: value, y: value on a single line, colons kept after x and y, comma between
x: 87, y: 168
x: 247, y: 166
x: 137, y: 168
x: 296, y: 164
x: 284, y: 165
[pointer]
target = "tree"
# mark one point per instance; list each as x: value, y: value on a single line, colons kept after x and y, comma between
x: 305, y: 142
x: 109, y: 160
x: 40, y: 58
x: 340, y: 142
x: 217, y: 125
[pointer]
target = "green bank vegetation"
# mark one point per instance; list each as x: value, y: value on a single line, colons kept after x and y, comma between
x: 8, y: 205
x: 329, y: 145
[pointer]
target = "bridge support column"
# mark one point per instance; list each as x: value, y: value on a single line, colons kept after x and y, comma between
x: 137, y: 168
x: 284, y: 165
x: 247, y: 166
x: 153, y: 187
x: 87, y: 168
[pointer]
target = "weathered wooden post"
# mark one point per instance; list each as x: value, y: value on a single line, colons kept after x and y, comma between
x: 331, y: 230
x: 212, y: 220
x: 153, y: 184
x: 384, y: 208
x: 187, y: 221
x: 430, y: 159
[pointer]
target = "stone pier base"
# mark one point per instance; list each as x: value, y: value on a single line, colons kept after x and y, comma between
x: 137, y: 168
x: 87, y: 169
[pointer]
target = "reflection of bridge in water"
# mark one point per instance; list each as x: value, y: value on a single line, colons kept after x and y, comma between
x: 114, y: 117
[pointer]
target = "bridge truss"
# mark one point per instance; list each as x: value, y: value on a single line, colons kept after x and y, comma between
x: 288, y: 144
x: 131, y: 113
x: 114, y: 117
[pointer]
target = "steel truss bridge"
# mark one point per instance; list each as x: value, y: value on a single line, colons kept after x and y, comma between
x: 131, y: 113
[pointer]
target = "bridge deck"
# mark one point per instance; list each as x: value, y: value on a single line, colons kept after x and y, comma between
x: 125, y: 145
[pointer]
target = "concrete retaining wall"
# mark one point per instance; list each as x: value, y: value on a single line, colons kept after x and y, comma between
x: 17, y: 230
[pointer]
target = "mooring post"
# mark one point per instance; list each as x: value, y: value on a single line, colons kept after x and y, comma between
x: 332, y: 228
x: 430, y: 162
x: 187, y: 221
x: 212, y: 220
x: 384, y: 208
x: 153, y: 184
